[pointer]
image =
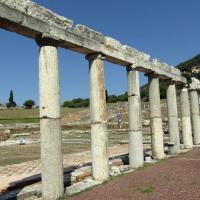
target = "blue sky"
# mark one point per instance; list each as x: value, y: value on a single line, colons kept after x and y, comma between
x: 167, y: 30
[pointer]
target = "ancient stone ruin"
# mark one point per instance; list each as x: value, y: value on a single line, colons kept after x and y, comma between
x: 51, y: 32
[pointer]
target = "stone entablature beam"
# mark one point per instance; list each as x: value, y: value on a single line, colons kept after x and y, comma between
x: 29, y: 19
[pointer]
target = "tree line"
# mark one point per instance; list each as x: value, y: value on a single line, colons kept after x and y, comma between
x: 28, y: 104
x: 144, y: 92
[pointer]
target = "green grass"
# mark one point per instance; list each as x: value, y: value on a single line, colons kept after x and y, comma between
x: 146, y: 189
x: 29, y: 115
x: 195, y: 183
x: 21, y: 153
x: 19, y: 116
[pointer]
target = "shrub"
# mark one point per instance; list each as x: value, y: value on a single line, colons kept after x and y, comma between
x: 28, y: 104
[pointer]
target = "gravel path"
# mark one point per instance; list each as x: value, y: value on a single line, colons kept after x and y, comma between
x: 174, y: 179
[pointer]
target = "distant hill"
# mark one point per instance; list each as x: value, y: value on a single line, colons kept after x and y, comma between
x: 187, y: 65
x: 187, y: 68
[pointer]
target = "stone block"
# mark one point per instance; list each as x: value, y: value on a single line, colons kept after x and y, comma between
x: 124, y: 168
x: 143, y: 56
x: 116, y: 162
x: 37, y: 11
x: 111, y: 43
x: 114, y: 171
x: 146, y: 122
x: 127, y: 50
x: 195, y: 85
x: 88, y: 33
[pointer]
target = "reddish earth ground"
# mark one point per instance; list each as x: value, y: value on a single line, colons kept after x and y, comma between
x: 174, y: 179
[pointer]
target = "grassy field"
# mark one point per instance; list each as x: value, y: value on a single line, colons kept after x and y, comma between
x: 75, y: 139
x: 22, y: 153
x: 29, y: 115
x: 14, y: 154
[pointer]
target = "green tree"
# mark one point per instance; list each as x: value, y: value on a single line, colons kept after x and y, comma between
x: 11, y: 102
x: 112, y: 99
x: 11, y: 98
x: 76, y: 103
x: 106, y: 92
x: 28, y: 104
x: 123, y: 97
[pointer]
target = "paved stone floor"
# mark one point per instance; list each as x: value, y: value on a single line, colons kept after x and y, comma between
x: 173, y: 179
x: 12, y: 173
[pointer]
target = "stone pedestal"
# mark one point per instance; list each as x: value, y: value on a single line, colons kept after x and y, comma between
x: 195, y: 116
x: 99, y: 134
x: 174, y: 137
x: 186, y: 119
x: 50, y: 125
x: 155, y: 118
x: 136, y: 154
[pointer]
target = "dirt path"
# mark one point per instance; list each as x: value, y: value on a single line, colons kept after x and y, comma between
x: 174, y: 179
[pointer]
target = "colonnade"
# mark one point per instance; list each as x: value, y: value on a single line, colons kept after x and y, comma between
x: 50, y: 119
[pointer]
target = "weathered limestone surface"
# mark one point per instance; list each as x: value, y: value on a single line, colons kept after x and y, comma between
x: 186, y: 119
x: 30, y: 8
x: 99, y: 134
x: 155, y: 118
x: 165, y: 71
x: 89, y: 33
x: 50, y: 124
x: 136, y: 154
x: 49, y: 83
x: 173, y: 118
x: 195, y: 116
x: 195, y: 85
x: 27, y: 18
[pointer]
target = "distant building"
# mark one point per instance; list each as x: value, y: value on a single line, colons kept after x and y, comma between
x: 195, y: 69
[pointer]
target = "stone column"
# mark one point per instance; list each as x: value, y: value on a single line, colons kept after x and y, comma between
x: 174, y: 137
x: 99, y: 134
x: 50, y: 123
x: 195, y: 116
x: 186, y: 119
x: 155, y: 118
x: 136, y: 154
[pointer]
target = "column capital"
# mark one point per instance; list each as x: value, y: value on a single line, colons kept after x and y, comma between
x: 45, y: 40
x: 193, y: 89
x: 171, y: 82
x: 152, y: 75
x: 94, y: 56
x: 131, y: 67
x: 184, y: 85
x: 182, y: 88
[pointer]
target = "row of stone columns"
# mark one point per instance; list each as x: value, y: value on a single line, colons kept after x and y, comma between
x: 50, y: 119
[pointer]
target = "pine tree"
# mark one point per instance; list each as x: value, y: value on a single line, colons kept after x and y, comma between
x: 11, y: 99
x: 11, y: 102
x: 106, y: 91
